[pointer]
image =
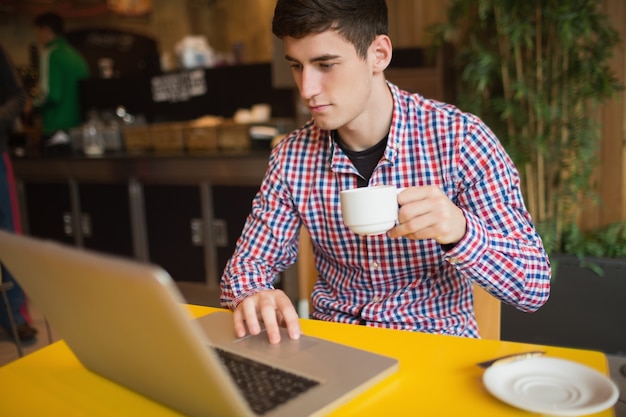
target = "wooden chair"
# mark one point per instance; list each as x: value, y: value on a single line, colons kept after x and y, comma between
x: 487, y: 312
x: 486, y: 307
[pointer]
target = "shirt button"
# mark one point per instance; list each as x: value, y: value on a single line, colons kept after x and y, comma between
x: 376, y: 299
x: 454, y: 261
x: 374, y: 265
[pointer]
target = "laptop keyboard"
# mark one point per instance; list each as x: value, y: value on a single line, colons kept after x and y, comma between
x: 264, y: 387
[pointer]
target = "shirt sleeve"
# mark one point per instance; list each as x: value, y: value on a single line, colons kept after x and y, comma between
x: 268, y: 243
x: 501, y: 250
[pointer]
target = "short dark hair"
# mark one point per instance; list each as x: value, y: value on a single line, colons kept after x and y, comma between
x: 52, y: 21
x: 358, y: 21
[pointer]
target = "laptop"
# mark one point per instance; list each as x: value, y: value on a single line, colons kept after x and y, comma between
x: 127, y: 322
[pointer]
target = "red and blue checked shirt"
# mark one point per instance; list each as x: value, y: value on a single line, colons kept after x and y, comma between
x: 396, y: 283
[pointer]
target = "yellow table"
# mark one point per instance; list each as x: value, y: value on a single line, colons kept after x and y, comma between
x: 437, y: 377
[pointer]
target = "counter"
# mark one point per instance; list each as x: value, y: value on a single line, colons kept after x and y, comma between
x: 182, y: 211
x: 220, y: 167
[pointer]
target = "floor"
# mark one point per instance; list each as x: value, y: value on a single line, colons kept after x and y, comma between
x: 617, y: 367
x: 8, y: 352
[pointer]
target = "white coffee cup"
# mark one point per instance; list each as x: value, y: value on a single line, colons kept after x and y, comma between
x: 370, y: 210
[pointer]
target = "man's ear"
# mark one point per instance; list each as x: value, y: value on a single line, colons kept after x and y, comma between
x: 382, y: 50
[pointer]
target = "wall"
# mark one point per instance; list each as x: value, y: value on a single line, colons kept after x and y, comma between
x: 227, y: 22
x: 611, y: 174
x: 409, y: 20
x: 223, y: 22
x: 168, y: 23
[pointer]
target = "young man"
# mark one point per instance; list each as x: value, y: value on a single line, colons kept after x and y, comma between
x: 61, y: 69
x: 462, y: 219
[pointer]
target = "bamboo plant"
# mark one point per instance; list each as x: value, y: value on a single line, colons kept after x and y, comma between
x: 534, y: 71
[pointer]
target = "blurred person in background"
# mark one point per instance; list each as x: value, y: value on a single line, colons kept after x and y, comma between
x: 62, y: 68
x: 12, y: 99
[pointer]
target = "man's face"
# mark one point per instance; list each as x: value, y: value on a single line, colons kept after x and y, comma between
x: 334, y: 82
x: 43, y: 35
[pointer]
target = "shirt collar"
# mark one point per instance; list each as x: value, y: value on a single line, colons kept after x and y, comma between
x: 398, y: 123
x: 55, y: 42
x: 339, y: 161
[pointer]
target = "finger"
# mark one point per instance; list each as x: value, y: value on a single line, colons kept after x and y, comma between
x: 416, y: 227
x: 270, y: 320
x: 290, y: 319
x: 238, y: 320
x: 251, y: 318
x: 413, y: 210
x: 411, y: 194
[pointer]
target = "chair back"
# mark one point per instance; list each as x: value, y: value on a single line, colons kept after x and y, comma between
x: 486, y: 307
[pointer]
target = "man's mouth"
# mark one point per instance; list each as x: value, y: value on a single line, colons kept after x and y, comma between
x: 318, y: 108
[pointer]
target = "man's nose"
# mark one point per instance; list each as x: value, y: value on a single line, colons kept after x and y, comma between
x: 309, y: 83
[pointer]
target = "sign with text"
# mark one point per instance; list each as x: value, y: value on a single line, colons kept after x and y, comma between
x: 178, y: 87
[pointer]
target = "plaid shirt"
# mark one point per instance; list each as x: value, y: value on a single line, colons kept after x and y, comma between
x: 397, y: 283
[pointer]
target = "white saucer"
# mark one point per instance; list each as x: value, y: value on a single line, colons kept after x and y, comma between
x: 551, y: 386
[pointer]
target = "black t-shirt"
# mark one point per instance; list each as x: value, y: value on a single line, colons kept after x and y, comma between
x: 364, y: 161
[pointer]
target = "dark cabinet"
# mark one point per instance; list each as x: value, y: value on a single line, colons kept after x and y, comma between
x: 189, y: 230
x: 104, y: 218
x: 48, y: 211
x: 192, y: 230
x: 231, y: 206
x: 183, y: 213
x: 95, y: 216
x: 175, y: 230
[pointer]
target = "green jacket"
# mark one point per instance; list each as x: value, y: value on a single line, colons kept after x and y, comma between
x: 62, y: 68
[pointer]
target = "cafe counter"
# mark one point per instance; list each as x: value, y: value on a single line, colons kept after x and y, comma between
x: 183, y: 211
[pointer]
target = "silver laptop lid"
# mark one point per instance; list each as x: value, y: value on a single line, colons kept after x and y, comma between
x: 122, y: 324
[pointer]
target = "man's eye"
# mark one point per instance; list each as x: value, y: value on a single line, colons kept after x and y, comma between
x: 326, y: 66
x: 296, y: 67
